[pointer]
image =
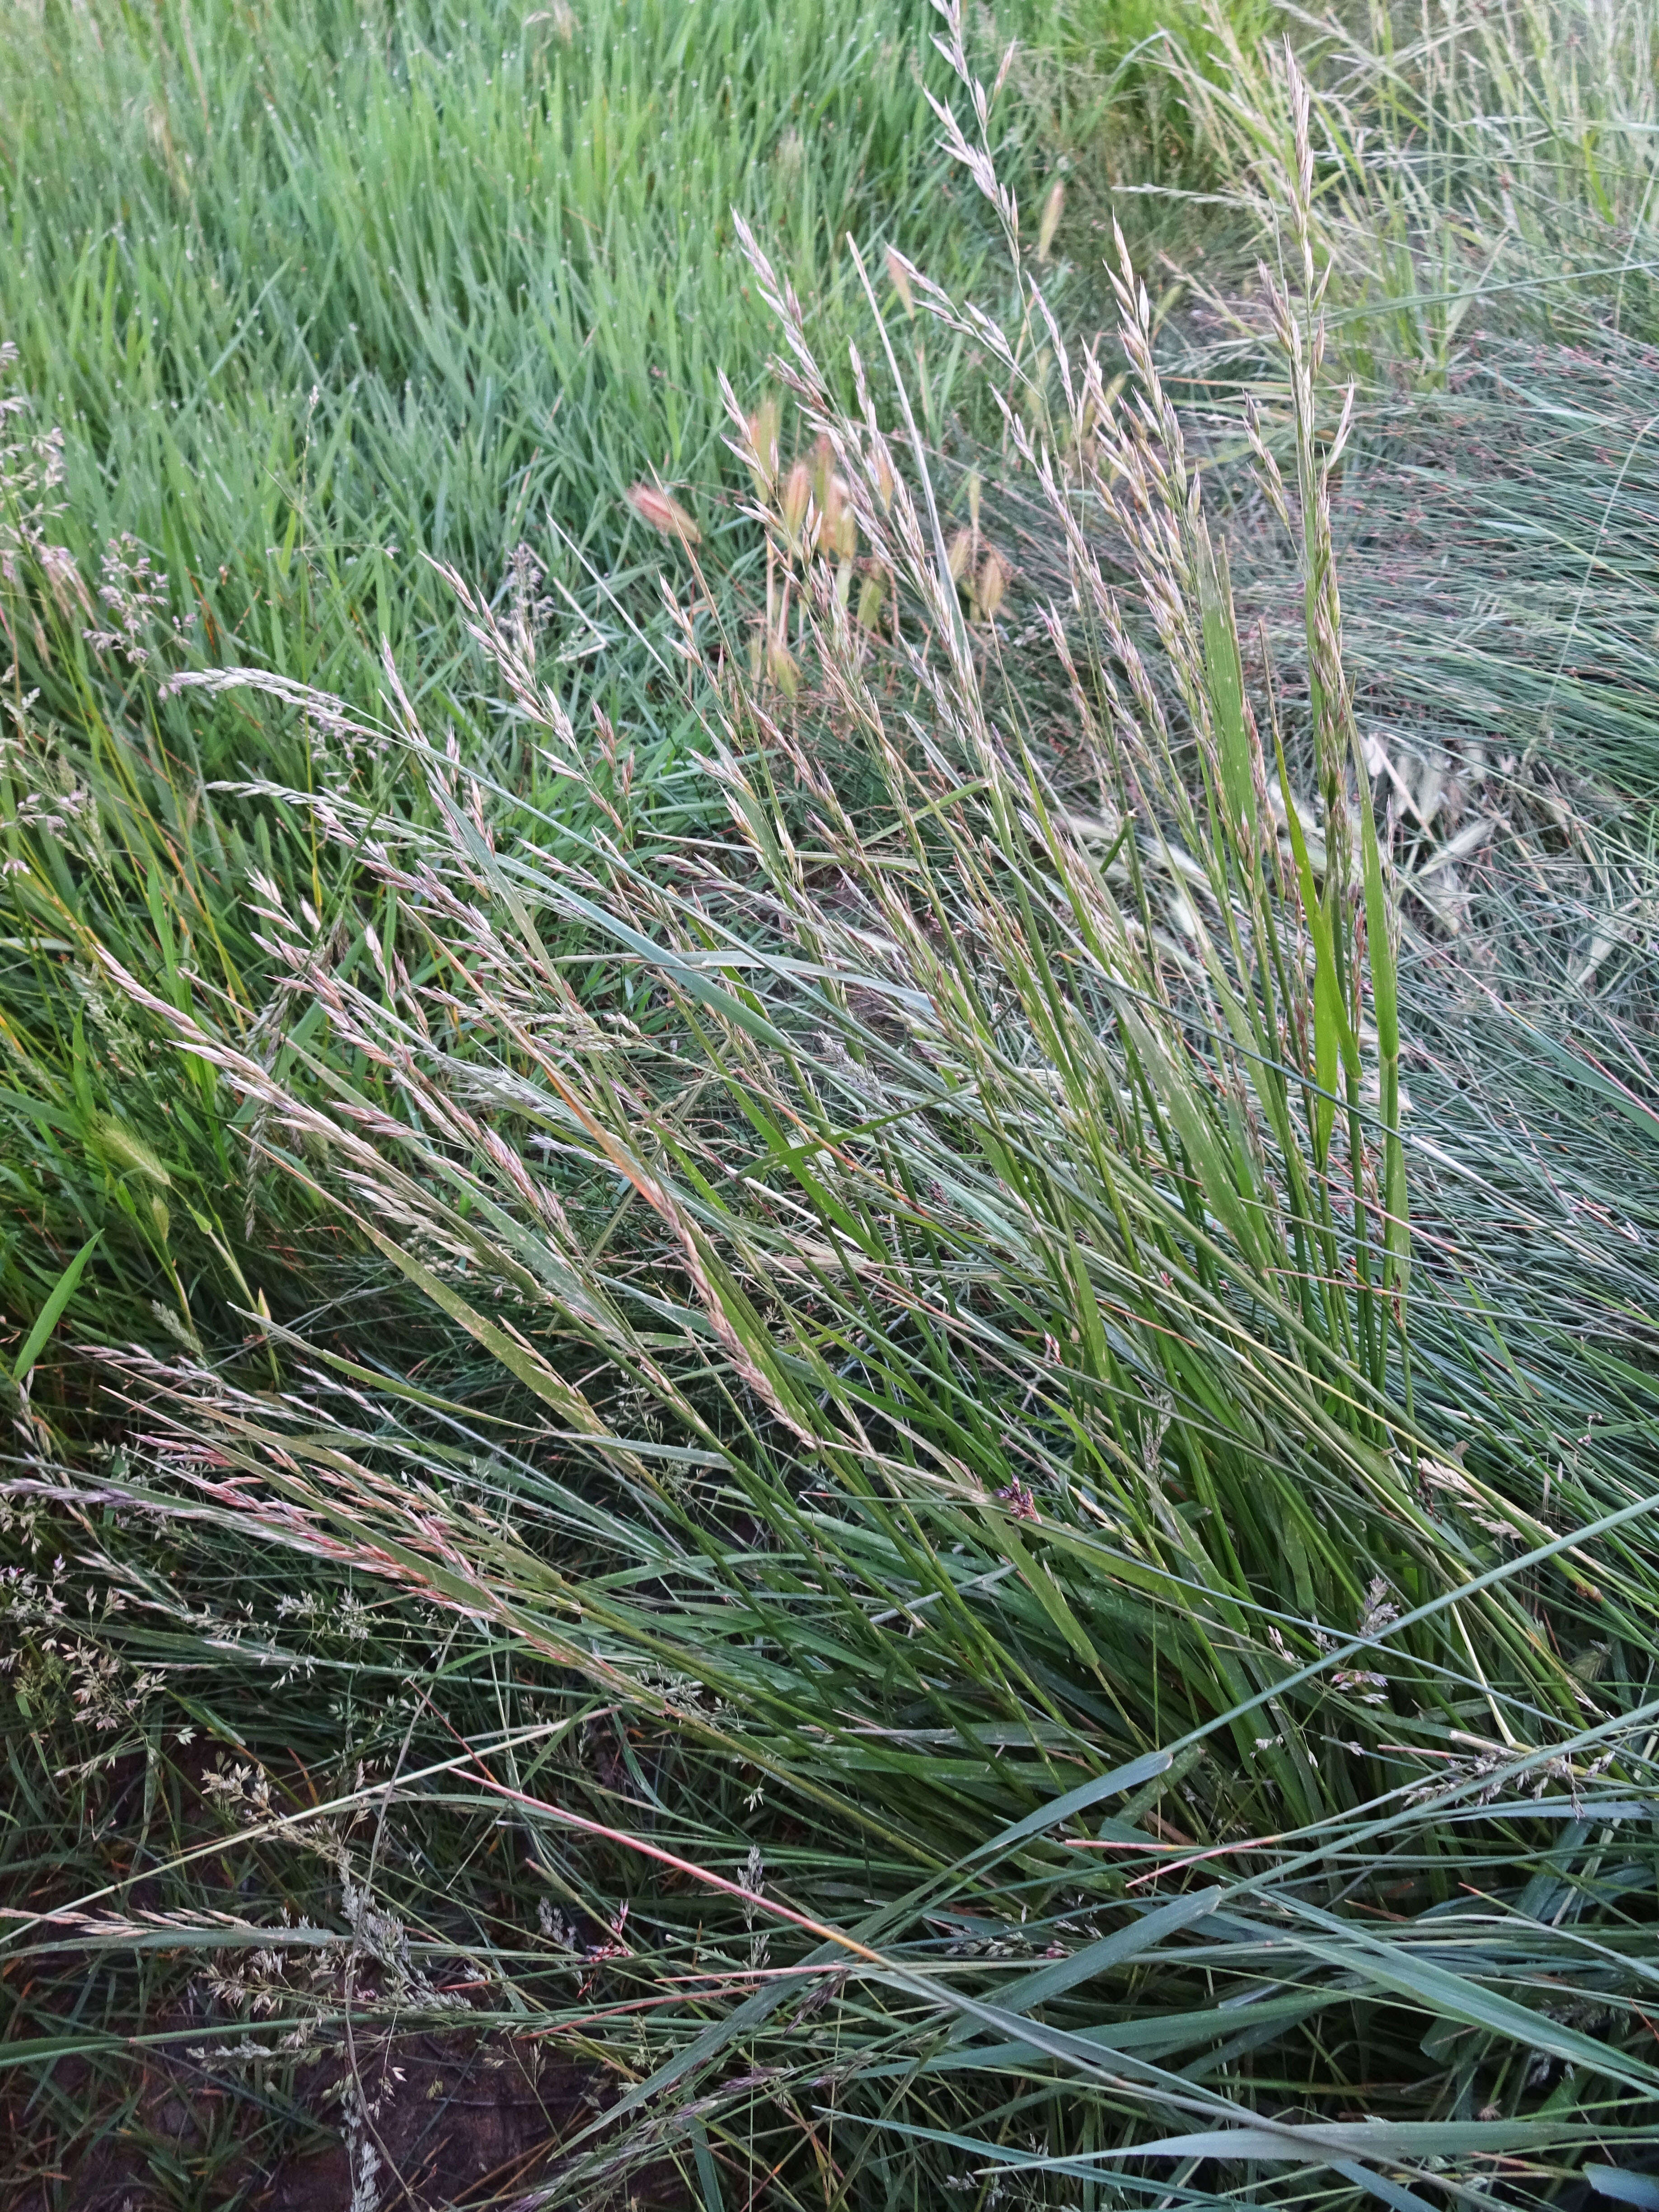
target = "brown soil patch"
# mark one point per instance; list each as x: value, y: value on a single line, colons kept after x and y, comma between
x: 454, y: 2120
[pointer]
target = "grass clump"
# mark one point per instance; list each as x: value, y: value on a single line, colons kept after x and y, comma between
x: 970, y: 1499
x: 1493, y: 166
x: 925, y: 1524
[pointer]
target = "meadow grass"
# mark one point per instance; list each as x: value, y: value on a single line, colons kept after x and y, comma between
x: 342, y: 294
x: 346, y: 286
x: 888, y: 1491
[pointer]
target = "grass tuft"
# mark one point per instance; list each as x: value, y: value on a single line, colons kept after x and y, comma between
x: 914, y: 1492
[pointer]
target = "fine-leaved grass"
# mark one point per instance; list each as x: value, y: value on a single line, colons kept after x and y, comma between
x: 924, y: 1522
x: 1103, y: 1708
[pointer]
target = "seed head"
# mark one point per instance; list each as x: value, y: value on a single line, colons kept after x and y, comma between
x: 663, y: 514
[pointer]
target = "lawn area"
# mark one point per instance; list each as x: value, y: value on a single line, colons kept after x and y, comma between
x: 828, y: 1107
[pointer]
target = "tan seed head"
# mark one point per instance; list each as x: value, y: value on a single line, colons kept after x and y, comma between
x: 663, y: 514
